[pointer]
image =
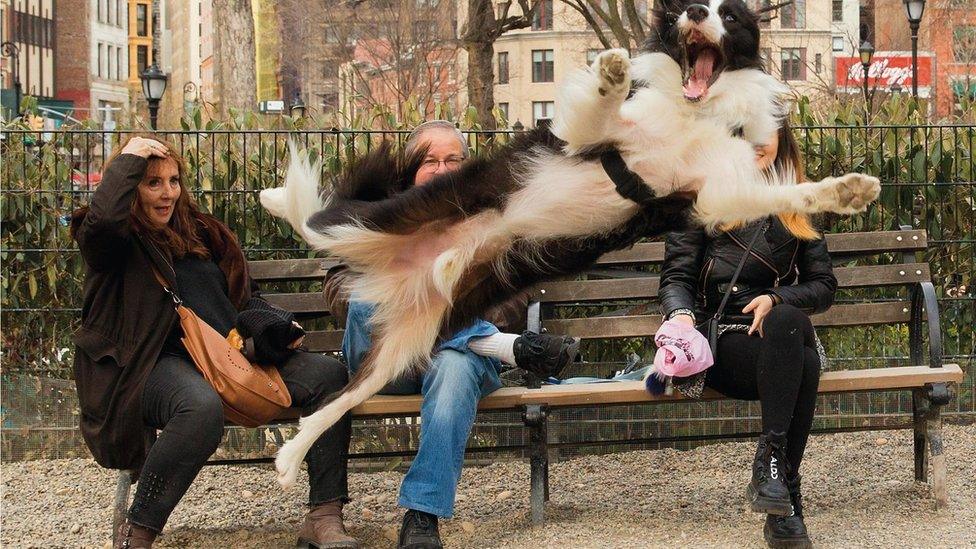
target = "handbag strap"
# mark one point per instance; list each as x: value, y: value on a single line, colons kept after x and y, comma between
x: 738, y: 269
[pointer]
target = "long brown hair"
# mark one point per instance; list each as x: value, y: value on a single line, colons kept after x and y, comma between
x: 182, y: 235
x: 789, y: 160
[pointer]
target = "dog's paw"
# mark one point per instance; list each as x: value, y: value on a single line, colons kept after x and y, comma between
x: 613, y: 68
x: 855, y: 191
x: 288, y: 464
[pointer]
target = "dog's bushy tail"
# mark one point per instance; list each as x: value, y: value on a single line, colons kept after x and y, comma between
x: 299, y: 198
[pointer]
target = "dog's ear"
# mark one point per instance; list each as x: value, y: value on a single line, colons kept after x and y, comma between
x: 371, y: 177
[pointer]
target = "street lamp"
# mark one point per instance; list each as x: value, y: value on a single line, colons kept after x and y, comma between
x: 153, y: 87
x: 867, y: 52
x: 914, y: 10
x: 11, y: 51
x: 298, y: 106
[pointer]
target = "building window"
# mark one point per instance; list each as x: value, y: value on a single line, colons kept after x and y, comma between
x: 542, y: 66
x: 793, y: 15
x: 142, y: 58
x: 503, y: 108
x: 422, y: 30
x: 792, y: 61
x: 837, y: 11
x: 503, y: 67
x: 963, y: 95
x: 98, y: 67
x: 99, y: 10
x: 591, y: 56
x: 542, y: 20
x: 837, y: 43
x: 119, y: 19
x: 542, y: 110
x: 764, y: 18
x: 964, y: 44
x: 766, y: 54
x: 118, y: 64
x: 109, y: 58
x: 142, y: 20
x: 817, y: 63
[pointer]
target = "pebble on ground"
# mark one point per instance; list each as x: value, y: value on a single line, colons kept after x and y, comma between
x: 859, y: 491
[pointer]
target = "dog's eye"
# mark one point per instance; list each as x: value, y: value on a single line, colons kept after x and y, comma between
x: 730, y: 18
x: 672, y: 17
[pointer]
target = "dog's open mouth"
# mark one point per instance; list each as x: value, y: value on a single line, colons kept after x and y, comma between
x: 703, y: 63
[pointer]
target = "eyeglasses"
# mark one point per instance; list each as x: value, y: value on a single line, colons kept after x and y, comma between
x: 450, y: 163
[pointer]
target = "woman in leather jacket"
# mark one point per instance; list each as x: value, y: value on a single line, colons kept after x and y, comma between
x: 767, y: 347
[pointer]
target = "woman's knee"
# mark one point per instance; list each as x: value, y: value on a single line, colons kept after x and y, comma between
x: 811, y: 363
x: 786, y: 320
x: 204, y: 411
x: 312, y: 376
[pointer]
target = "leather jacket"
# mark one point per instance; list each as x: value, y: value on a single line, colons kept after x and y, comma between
x: 698, y: 267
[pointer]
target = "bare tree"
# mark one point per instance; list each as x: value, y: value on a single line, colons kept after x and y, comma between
x: 478, y: 38
x: 235, y: 84
x: 616, y: 23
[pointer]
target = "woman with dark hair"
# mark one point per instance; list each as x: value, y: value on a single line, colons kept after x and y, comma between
x: 133, y: 374
x: 767, y: 348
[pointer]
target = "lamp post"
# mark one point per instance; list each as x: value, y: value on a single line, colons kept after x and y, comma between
x: 153, y: 87
x: 298, y: 106
x: 867, y: 52
x: 11, y: 51
x: 914, y: 10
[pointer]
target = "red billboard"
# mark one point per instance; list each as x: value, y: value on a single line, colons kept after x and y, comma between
x: 887, y: 69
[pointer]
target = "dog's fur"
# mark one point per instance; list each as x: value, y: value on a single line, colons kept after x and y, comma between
x: 433, y: 257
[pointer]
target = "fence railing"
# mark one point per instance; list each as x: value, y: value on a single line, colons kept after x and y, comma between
x: 928, y: 175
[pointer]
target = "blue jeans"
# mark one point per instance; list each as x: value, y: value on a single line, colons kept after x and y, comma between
x: 452, y: 386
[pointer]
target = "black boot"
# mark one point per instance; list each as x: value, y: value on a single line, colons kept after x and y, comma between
x: 419, y: 531
x: 767, y: 491
x: 788, y: 532
x: 545, y: 355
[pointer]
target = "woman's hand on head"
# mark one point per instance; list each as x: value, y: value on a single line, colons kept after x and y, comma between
x: 140, y: 146
x: 759, y: 307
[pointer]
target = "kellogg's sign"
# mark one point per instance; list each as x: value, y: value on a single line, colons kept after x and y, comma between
x: 887, y: 68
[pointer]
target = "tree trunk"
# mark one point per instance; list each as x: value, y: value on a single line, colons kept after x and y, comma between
x: 479, y: 43
x: 235, y: 84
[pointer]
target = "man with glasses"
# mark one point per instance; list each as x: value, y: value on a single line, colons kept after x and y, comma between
x: 463, y: 369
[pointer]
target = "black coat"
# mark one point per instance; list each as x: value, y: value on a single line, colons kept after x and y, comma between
x: 126, y: 316
x: 697, y: 270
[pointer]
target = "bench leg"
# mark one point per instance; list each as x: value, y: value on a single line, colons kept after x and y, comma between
x: 535, y: 418
x: 920, y: 407
x: 121, y: 501
x: 937, y: 457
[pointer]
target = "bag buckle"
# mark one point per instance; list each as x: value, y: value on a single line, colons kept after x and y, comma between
x: 176, y: 299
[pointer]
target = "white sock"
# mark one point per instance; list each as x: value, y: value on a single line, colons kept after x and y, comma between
x: 500, y: 346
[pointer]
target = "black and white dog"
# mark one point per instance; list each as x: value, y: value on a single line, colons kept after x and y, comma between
x: 433, y: 257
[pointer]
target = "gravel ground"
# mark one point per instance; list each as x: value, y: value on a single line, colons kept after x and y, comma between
x: 858, y: 488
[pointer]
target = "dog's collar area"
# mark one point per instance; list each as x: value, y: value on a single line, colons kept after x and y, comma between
x: 630, y: 185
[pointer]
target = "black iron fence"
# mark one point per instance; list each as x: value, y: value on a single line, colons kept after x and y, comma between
x: 929, y: 182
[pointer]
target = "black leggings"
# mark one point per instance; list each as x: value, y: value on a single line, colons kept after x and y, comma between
x: 781, y: 370
x: 179, y: 401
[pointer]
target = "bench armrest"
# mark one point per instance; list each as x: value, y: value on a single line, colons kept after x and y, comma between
x: 923, y: 294
x: 533, y: 318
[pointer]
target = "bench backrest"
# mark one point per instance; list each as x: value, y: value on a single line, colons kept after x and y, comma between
x: 624, y: 283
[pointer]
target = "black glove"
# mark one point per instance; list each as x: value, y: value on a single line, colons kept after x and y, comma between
x: 271, y: 331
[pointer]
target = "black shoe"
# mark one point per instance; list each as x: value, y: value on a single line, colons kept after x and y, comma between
x: 419, y: 531
x: 545, y: 355
x: 767, y: 491
x: 788, y: 532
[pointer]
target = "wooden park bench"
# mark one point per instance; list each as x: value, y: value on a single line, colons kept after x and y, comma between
x: 618, y: 283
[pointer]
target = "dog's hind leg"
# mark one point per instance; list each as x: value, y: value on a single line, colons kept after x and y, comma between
x: 588, y: 101
x: 403, y: 338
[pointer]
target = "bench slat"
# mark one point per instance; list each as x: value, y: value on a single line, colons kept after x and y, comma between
x: 838, y: 244
x: 633, y: 392
x: 856, y: 314
x: 290, y: 269
x: 304, y: 302
x: 324, y: 341
x: 570, y: 291
x: 648, y: 252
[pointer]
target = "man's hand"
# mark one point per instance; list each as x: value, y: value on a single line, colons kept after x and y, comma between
x: 140, y: 146
x: 760, y: 307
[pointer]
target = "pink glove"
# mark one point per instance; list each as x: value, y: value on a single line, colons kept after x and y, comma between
x: 682, y: 350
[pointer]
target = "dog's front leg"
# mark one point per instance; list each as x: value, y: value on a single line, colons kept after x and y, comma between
x: 588, y: 101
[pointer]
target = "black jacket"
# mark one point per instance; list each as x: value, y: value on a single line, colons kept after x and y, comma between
x: 698, y: 268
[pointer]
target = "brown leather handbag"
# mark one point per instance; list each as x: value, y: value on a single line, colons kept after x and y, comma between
x: 252, y: 394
